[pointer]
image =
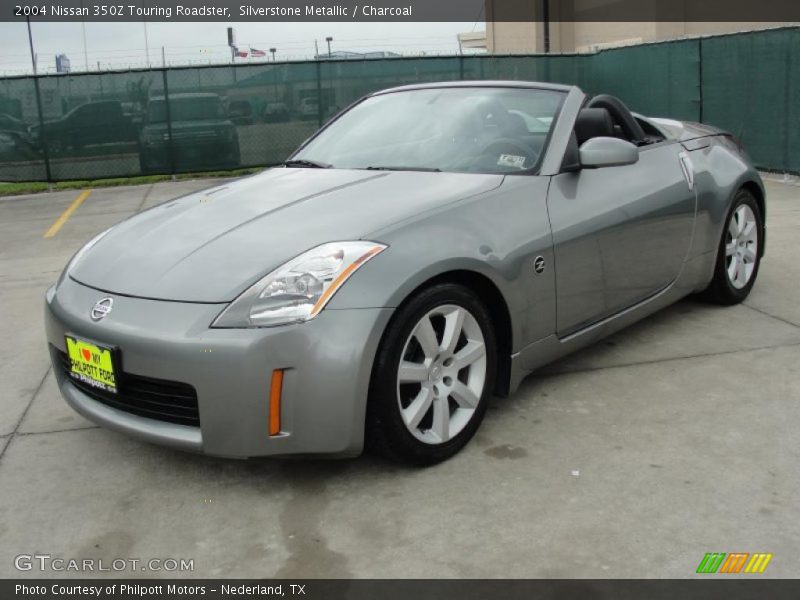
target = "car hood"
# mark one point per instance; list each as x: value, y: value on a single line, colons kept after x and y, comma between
x: 212, y: 245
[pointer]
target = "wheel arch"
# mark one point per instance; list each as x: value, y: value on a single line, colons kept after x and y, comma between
x: 491, y: 296
x: 757, y: 190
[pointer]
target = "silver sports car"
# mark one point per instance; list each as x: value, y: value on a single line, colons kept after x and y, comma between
x: 429, y: 247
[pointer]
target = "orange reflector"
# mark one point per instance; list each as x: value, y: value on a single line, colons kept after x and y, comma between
x: 275, y: 391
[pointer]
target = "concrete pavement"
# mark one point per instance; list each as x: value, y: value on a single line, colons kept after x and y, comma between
x: 633, y: 458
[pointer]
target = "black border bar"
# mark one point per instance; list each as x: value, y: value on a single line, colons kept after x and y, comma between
x: 714, y: 587
x: 747, y: 11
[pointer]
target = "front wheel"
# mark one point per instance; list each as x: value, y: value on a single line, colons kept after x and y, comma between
x: 433, y: 376
x: 739, y: 253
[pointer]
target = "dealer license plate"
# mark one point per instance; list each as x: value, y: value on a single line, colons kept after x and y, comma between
x: 92, y: 364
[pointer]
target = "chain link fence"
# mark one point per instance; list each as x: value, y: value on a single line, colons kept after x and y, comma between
x: 194, y: 119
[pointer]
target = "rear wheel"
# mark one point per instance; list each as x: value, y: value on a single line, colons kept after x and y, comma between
x: 739, y: 253
x: 55, y: 147
x: 432, y: 377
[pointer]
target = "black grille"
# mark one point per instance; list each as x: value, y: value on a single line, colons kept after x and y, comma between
x: 158, y: 399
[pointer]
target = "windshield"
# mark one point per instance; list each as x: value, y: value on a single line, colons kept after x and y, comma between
x: 185, y: 109
x: 477, y: 130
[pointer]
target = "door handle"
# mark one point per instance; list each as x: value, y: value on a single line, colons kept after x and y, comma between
x: 688, y: 169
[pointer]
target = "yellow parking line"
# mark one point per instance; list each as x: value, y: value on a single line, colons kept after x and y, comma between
x: 67, y: 214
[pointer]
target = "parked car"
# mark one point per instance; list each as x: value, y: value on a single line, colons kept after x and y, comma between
x: 13, y: 125
x: 14, y: 147
x: 16, y: 140
x: 240, y: 112
x: 202, y: 137
x: 425, y: 250
x: 276, y: 112
x: 8, y: 145
x: 90, y: 124
x: 308, y: 108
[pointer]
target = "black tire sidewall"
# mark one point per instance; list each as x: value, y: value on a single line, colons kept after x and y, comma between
x: 386, y: 431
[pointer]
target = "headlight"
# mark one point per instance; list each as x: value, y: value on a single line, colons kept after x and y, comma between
x: 300, y: 289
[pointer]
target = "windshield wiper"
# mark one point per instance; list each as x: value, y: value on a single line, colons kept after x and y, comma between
x: 427, y: 169
x: 306, y: 163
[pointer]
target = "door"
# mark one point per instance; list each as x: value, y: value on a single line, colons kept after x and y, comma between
x: 82, y: 126
x: 620, y: 234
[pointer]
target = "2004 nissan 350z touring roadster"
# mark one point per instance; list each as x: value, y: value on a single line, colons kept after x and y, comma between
x: 428, y: 248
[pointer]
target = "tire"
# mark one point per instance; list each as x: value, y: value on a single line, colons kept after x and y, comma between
x: 237, y: 157
x: 145, y: 166
x: 454, y: 378
x: 55, y: 147
x: 727, y: 288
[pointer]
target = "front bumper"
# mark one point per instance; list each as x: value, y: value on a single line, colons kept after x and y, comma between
x: 327, y: 363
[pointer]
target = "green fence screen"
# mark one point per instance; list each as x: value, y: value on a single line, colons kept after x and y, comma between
x: 751, y: 87
x: 173, y: 120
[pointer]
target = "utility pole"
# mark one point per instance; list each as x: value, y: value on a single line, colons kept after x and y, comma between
x: 232, y: 44
x: 30, y: 43
x: 316, y: 49
x: 163, y: 58
x: 42, y: 130
x: 274, y: 77
x: 83, y: 29
x: 329, y: 39
x: 146, y: 45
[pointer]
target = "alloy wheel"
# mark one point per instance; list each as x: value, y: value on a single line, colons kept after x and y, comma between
x: 442, y: 374
x: 741, y: 246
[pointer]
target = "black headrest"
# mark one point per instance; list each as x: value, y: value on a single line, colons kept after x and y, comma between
x: 516, y: 125
x: 493, y: 114
x: 593, y: 122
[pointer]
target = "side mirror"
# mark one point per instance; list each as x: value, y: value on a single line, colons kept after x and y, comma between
x: 607, y: 152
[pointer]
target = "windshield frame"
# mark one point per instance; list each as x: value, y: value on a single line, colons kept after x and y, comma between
x: 562, y: 90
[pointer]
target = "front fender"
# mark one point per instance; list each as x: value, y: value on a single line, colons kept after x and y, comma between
x: 721, y: 169
x: 498, y: 235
